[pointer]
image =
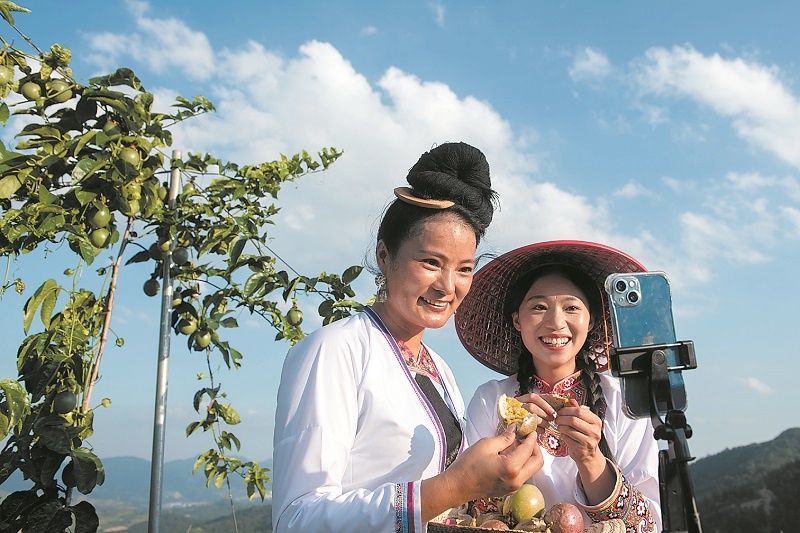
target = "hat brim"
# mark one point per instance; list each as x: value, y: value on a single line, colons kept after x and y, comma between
x: 480, y: 322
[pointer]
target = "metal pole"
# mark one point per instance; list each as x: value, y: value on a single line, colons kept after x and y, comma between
x: 157, y: 461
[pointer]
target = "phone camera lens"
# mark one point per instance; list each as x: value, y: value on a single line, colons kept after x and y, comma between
x: 621, y: 285
x: 633, y: 297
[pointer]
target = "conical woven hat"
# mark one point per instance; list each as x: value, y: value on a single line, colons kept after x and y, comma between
x: 481, y: 324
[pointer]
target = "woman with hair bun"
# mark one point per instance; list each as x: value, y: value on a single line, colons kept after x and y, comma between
x: 369, y: 428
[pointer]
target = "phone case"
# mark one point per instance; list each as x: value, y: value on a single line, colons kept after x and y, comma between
x: 640, y: 307
x: 641, y: 312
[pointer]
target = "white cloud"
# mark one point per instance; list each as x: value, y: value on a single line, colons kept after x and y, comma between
x: 162, y: 44
x: 589, y: 64
x: 632, y: 189
x: 369, y: 31
x: 753, y: 182
x: 762, y: 109
x: 439, y: 12
x: 270, y: 104
x: 791, y: 216
x: 755, y: 385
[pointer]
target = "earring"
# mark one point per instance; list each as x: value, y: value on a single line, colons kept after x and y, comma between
x: 382, y: 296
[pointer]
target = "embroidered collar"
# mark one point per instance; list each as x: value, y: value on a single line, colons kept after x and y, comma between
x: 569, y: 386
x: 422, y: 363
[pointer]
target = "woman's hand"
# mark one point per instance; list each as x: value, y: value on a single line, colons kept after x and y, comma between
x: 537, y: 405
x: 492, y: 467
x: 498, y: 465
x: 581, y: 429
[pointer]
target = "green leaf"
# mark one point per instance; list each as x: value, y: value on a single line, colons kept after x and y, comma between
x: 85, y: 138
x: 86, y: 519
x: 48, y: 304
x: 10, y: 185
x: 85, y: 168
x: 84, y: 197
x: 4, y: 114
x: 228, y: 413
x: 18, y: 403
x: 351, y: 274
x: 89, y: 470
x: 33, y: 303
x: 191, y: 428
x: 52, y: 434
x: 236, y: 250
x: 123, y: 76
x: 229, y: 322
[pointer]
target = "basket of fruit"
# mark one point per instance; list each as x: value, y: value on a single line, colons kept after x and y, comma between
x: 522, y: 510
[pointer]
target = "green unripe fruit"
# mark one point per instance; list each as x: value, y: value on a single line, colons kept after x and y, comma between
x: 68, y: 475
x: 99, y: 217
x: 294, y: 317
x: 6, y: 75
x: 525, y: 503
x: 132, y: 190
x: 59, y: 91
x: 31, y: 90
x: 151, y: 287
x: 111, y: 128
x: 187, y: 326
x: 129, y: 208
x: 99, y: 237
x: 130, y: 155
x: 155, y: 252
x: 180, y: 256
x: 64, y: 402
x: 202, y: 340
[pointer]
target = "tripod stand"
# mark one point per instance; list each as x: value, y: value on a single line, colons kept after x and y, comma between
x: 678, y: 507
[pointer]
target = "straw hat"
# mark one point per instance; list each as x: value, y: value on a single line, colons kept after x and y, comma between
x: 480, y: 321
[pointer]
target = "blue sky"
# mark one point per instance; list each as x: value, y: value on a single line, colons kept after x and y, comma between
x: 667, y: 130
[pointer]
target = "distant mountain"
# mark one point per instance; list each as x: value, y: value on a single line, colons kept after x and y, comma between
x: 128, y: 481
x: 750, y: 489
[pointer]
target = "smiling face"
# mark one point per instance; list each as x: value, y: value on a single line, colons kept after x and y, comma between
x: 553, y: 321
x: 427, y: 277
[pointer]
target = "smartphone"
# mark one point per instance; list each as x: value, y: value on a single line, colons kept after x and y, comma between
x: 640, y: 309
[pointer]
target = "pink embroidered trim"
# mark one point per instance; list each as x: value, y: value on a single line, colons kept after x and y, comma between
x: 625, y: 503
x: 422, y: 363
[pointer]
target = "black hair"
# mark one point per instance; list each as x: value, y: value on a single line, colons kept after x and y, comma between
x: 583, y: 362
x: 452, y: 171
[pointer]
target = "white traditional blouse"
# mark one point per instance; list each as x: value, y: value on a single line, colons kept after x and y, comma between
x: 636, y: 496
x: 354, y: 435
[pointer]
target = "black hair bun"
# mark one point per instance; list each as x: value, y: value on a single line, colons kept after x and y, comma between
x: 460, y: 173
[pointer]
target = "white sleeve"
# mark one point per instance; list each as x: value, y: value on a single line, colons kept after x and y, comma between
x: 315, y: 426
x: 635, y: 451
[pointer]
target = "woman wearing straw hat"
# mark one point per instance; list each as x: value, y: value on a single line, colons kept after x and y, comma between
x: 537, y: 314
x: 369, y: 424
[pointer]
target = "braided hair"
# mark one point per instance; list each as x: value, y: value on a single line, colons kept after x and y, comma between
x: 527, y: 369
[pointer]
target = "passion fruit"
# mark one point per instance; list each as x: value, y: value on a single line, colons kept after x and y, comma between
x: 564, y: 517
x: 511, y: 412
x: 99, y: 237
x: 525, y: 503
x: 151, y: 287
x: 6, y: 75
x: 65, y: 401
x: 294, y: 316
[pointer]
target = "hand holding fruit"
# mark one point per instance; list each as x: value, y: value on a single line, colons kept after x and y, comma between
x: 581, y: 429
x: 495, y: 466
